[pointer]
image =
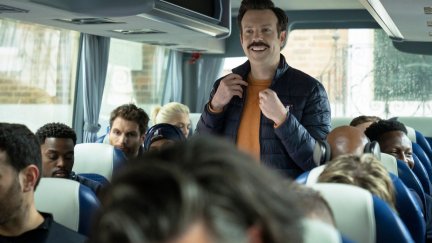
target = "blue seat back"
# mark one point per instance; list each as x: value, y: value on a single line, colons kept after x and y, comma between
x: 409, y: 210
x: 424, y: 159
x: 410, y: 180
x: 421, y: 173
x: 74, y: 208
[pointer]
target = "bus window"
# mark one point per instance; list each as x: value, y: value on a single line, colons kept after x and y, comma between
x: 362, y: 72
x: 136, y: 74
x: 37, y: 73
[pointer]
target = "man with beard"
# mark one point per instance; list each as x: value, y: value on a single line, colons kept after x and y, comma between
x: 128, y: 125
x: 20, y: 166
x: 269, y: 109
x: 57, y: 142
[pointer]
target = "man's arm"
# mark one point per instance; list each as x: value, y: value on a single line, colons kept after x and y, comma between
x: 299, y: 138
x: 211, y: 120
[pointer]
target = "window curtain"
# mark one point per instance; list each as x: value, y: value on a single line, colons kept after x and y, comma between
x: 93, y: 70
x: 209, y: 69
x: 173, y: 83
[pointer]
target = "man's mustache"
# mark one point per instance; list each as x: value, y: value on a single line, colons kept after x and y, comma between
x: 258, y: 44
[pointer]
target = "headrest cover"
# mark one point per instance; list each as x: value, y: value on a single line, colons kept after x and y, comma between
x: 162, y: 131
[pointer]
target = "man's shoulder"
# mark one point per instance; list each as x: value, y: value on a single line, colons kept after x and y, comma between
x: 59, y: 233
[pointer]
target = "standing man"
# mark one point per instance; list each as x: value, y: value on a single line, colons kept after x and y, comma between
x: 20, y: 166
x: 271, y: 110
x: 128, y: 125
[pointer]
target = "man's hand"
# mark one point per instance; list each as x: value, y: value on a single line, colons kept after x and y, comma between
x: 271, y: 106
x: 229, y: 87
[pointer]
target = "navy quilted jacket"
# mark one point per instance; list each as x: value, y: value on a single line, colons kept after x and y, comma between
x: 289, y: 147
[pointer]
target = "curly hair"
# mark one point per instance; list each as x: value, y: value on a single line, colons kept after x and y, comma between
x: 21, y: 146
x: 282, y: 24
x: 363, y: 171
x: 131, y: 112
x: 375, y: 131
x: 55, y: 130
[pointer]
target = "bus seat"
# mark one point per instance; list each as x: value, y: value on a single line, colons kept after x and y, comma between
x: 97, y: 158
x: 424, y: 159
x: 96, y: 177
x: 408, y: 177
x: 418, y: 138
x: 362, y: 216
x: 408, y: 207
x: 420, y: 171
x: 318, y: 231
x: 72, y: 204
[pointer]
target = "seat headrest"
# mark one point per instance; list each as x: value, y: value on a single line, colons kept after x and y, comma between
x: 73, y: 209
x: 318, y: 231
x: 411, y: 134
x: 389, y: 162
x: 96, y: 158
x: 352, y: 206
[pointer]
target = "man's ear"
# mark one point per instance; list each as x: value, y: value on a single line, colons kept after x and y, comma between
x: 28, y: 178
x: 283, y: 36
x: 255, y: 234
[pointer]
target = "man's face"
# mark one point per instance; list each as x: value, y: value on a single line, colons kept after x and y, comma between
x: 11, y: 198
x: 397, y: 143
x: 259, y: 37
x: 126, y: 136
x: 57, y: 157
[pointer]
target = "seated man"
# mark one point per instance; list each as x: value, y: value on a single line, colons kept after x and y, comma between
x: 128, y: 125
x: 161, y: 135
x: 392, y: 138
x: 20, y: 166
x: 57, y: 142
x: 203, y: 190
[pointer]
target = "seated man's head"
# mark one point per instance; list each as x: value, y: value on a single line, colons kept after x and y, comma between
x: 363, y: 171
x: 392, y: 138
x: 20, y: 165
x: 198, y: 191
x: 128, y: 124
x: 363, y: 122
x: 57, y: 142
x: 161, y: 135
x: 312, y: 204
x: 346, y: 140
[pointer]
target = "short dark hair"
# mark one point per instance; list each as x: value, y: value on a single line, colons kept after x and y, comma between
x: 55, y: 130
x: 282, y: 24
x: 21, y: 146
x: 375, y: 131
x: 158, y: 196
x: 362, y: 119
x: 133, y: 113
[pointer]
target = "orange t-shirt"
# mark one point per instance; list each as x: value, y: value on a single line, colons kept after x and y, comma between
x: 248, y: 132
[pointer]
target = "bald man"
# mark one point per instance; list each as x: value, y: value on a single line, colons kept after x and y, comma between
x: 346, y: 140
